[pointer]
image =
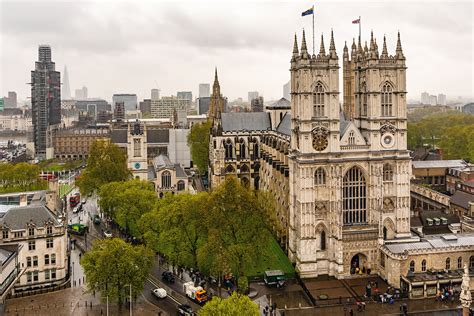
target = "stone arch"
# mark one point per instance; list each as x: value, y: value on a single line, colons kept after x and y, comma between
x: 322, y: 235
x: 322, y: 83
x: 244, y: 168
x: 388, y: 229
x: 229, y: 169
x: 387, y: 81
x: 359, y: 263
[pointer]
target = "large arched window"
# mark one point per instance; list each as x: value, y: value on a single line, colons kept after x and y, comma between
x: 181, y: 185
x: 387, y: 173
x: 412, y: 266
x: 386, y: 100
x: 319, y: 177
x: 229, y: 150
x: 323, y: 240
x: 166, y: 179
x: 354, y: 197
x: 318, y: 101
x: 364, y: 99
x: 460, y: 263
x: 255, y: 151
x: 448, y: 264
x: 242, y: 149
x: 423, y: 265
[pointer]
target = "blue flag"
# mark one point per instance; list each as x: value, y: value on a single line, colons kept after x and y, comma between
x: 308, y: 12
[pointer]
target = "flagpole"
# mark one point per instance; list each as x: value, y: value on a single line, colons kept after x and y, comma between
x: 360, y: 23
x: 313, y: 29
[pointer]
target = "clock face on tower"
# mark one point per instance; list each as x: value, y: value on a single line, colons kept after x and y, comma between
x: 320, y: 142
x: 136, y: 165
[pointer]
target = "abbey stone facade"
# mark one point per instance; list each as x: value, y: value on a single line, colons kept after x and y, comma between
x: 340, y: 174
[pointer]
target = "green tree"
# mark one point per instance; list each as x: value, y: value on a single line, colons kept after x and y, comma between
x: 113, y: 265
x: 174, y: 228
x: 198, y: 141
x: 106, y: 163
x: 126, y: 202
x: 234, y: 305
x: 237, y: 223
x: 20, y: 177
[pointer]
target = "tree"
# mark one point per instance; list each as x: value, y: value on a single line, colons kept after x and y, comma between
x: 198, y: 141
x: 237, y: 223
x: 174, y: 228
x: 113, y: 265
x: 106, y: 163
x: 126, y: 202
x: 236, y: 304
x: 20, y: 177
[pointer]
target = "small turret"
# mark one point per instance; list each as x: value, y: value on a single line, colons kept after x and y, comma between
x: 359, y: 47
x: 345, y: 54
x: 332, y: 47
x: 366, y: 49
x: 376, y: 49
x: 295, y: 48
x: 322, y: 50
x: 353, y: 48
x: 372, y: 53
x: 399, y: 51
x: 384, y: 49
x: 304, y: 49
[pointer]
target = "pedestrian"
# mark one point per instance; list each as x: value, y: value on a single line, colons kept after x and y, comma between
x: 351, y: 312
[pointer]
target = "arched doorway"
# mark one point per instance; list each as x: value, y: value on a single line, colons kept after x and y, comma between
x: 359, y: 264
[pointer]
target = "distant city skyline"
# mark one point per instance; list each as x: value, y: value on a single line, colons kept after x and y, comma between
x: 251, y: 51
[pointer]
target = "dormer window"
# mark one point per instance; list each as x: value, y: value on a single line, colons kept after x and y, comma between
x: 429, y: 221
x: 49, y: 230
x: 31, y: 231
x: 5, y: 234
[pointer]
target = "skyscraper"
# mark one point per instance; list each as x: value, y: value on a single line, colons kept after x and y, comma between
x: 155, y: 94
x: 204, y: 90
x: 66, y: 89
x: 441, y: 99
x: 11, y: 100
x: 129, y: 100
x: 425, y: 98
x: 252, y: 95
x: 81, y: 94
x: 45, y: 98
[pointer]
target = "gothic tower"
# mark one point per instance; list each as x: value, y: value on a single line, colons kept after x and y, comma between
x: 349, y: 170
x: 216, y: 104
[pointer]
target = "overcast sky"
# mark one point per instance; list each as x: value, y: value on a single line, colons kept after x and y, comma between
x: 132, y: 47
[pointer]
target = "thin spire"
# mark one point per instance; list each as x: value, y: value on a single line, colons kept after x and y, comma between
x: 359, y: 46
x: 304, y: 49
x: 376, y: 48
x: 346, y: 50
x: 332, y: 47
x: 399, y: 47
x: 372, y: 43
x: 322, y: 51
x: 366, y: 49
x: 295, y: 47
x: 384, y: 49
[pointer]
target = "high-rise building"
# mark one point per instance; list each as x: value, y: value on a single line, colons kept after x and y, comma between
x: 145, y: 106
x: 10, y: 101
x: 66, y: 89
x: 286, y: 91
x: 81, y: 94
x: 433, y: 100
x: 256, y: 104
x: 425, y: 98
x: 204, y: 90
x: 441, y: 99
x: 45, y: 99
x: 186, y: 95
x: 164, y: 107
x: 155, y: 94
x: 119, y: 111
x: 203, y: 105
x: 252, y: 95
x: 129, y: 100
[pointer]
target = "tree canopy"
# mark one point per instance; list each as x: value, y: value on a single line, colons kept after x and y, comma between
x: 198, y: 141
x: 106, y: 163
x: 126, y: 202
x: 236, y: 304
x: 20, y: 177
x: 112, y: 265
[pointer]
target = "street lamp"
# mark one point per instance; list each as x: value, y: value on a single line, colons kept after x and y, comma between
x: 72, y: 282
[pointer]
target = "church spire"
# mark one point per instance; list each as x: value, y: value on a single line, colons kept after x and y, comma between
x: 216, y: 88
x: 332, y: 47
x: 399, y: 50
x: 304, y: 49
x: 384, y: 49
x: 322, y: 50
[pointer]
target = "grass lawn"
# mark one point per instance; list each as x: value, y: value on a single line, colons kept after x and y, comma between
x: 65, y: 189
x: 273, y: 258
x: 58, y: 165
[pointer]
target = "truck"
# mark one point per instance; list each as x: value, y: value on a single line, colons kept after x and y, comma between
x: 74, y: 200
x: 77, y: 229
x: 196, y: 293
x: 274, y: 277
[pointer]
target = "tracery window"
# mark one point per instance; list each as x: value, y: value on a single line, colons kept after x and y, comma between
x: 166, y: 179
x: 448, y: 264
x: 460, y: 263
x: 387, y: 173
x: 354, y: 197
x: 229, y: 149
x: 364, y: 99
x: 323, y: 240
x: 181, y: 185
x: 319, y: 177
x: 423, y: 265
x: 136, y: 147
x: 318, y: 101
x: 386, y: 100
x: 351, y: 138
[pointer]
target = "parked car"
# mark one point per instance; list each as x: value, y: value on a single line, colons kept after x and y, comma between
x: 108, y: 234
x: 96, y: 219
x: 167, y: 277
x: 159, y: 292
x: 185, y: 310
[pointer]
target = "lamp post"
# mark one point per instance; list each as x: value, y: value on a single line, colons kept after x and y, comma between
x: 72, y: 283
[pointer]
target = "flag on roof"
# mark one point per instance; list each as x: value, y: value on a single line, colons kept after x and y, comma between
x: 356, y: 21
x: 308, y: 12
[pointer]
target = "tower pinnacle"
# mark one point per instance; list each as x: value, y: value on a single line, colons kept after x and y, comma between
x: 384, y: 48
x: 304, y: 49
x: 332, y: 47
x: 295, y: 47
x: 399, y: 50
x: 322, y: 50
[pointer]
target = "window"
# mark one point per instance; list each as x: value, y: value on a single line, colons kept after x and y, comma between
x: 255, y: 151
x: 319, y: 177
x: 423, y: 265
x: 53, y: 274
x: 49, y: 230
x: 49, y: 243
x: 46, y: 259
x: 243, y: 154
x: 382, y: 260
x: 460, y: 263
x: 412, y: 266
x: 323, y: 240
x: 35, y: 276
x: 28, y: 261
x: 448, y: 264
x: 29, y: 277
x: 35, y: 261
x: 46, y: 274
x: 471, y: 262
x: 318, y: 101
x: 387, y: 100
x: 354, y: 197
x: 229, y: 154
x: 18, y: 234
x: 5, y: 234
x: 364, y: 99
x: 351, y: 138
x: 387, y: 173
x: 137, y: 147
x: 53, y: 258
x: 181, y: 185
x: 31, y: 231
x: 31, y: 245
x: 166, y: 179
